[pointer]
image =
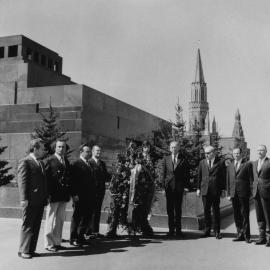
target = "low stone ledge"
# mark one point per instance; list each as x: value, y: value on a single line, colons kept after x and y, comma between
x: 192, y: 209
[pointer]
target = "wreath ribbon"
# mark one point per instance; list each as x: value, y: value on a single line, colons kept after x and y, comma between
x: 132, y: 189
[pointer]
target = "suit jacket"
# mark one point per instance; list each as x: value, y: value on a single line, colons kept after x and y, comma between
x: 32, y: 181
x: 83, y: 181
x: 239, y: 181
x: 261, y: 181
x: 58, y: 179
x: 212, y: 180
x: 175, y: 177
x: 100, y: 175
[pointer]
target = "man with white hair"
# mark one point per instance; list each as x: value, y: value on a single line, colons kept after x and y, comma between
x: 261, y: 194
x: 211, y: 182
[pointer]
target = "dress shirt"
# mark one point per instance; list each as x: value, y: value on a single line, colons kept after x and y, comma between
x: 237, y: 164
x: 60, y: 158
x: 36, y: 160
x: 260, y: 163
x: 96, y: 160
x: 174, y: 159
x: 211, y: 162
x: 84, y: 160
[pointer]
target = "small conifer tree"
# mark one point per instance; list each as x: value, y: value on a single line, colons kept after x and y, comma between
x: 49, y: 132
x: 5, y: 176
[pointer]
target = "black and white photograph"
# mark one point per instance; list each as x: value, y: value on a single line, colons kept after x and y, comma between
x: 134, y: 134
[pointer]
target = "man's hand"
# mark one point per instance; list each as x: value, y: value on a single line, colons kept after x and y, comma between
x: 186, y: 190
x: 24, y: 203
x: 229, y: 198
x: 75, y: 198
x: 198, y: 193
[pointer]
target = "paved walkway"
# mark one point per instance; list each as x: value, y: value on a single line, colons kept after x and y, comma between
x: 124, y: 254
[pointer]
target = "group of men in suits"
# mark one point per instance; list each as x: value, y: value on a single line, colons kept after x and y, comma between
x: 52, y: 183
x: 242, y: 179
x: 55, y: 181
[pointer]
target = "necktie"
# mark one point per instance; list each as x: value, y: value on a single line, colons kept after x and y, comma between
x: 174, y: 160
x: 210, y: 163
x: 39, y: 164
x: 259, y: 164
x: 62, y: 161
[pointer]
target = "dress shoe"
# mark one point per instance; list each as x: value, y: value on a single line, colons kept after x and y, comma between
x: 25, y: 255
x: 218, y: 236
x: 260, y: 242
x: 179, y: 234
x: 205, y: 235
x: 99, y: 235
x: 238, y: 239
x: 35, y: 254
x: 170, y: 234
x: 76, y: 243
x: 51, y: 249
x: 59, y: 247
x: 147, y: 234
x: 111, y: 235
x: 248, y: 241
x: 267, y: 244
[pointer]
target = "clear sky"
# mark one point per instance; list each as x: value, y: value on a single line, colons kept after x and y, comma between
x: 144, y: 52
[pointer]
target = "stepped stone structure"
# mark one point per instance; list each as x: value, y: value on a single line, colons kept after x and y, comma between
x: 199, y: 115
x: 31, y: 76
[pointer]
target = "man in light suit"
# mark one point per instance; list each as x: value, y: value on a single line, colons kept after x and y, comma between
x: 58, y: 173
x: 175, y: 178
x: 261, y: 194
x: 32, y: 184
x: 239, y: 181
x: 83, y: 190
x: 211, y: 183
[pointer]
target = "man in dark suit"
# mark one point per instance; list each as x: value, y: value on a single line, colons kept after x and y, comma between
x: 261, y: 194
x: 239, y: 181
x: 101, y: 176
x: 83, y: 190
x: 175, y: 178
x: 32, y: 184
x: 58, y: 174
x: 211, y: 183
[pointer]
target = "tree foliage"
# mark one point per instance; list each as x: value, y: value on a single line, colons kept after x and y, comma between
x: 5, y: 176
x: 49, y: 132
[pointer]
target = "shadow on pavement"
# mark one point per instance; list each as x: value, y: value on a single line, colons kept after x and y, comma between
x: 120, y: 244
x: 100, y: 247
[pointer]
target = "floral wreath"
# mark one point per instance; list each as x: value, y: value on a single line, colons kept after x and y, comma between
x: 132, y: 187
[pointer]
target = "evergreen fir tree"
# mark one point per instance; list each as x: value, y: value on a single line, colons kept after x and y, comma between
x: 179, y: 127
x: 49, y: 132
x: 195, y: 153
x: 191, y: 146
x: 5, y: 177
x: 215, y: 142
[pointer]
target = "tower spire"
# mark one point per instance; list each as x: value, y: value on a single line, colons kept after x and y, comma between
x: 214, y: 126
x: 198, y: 106
x: 237, y: 129
x: 199, y: 78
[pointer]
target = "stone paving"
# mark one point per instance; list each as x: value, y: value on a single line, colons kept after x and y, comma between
x: 156, y: 253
